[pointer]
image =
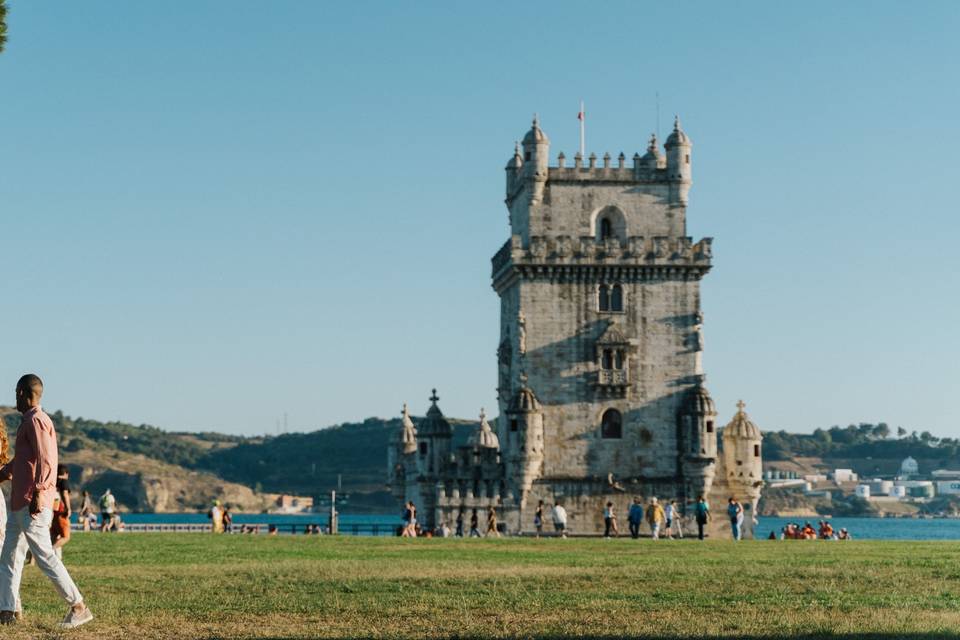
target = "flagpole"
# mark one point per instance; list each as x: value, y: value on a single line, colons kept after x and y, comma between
x: 583, y: 117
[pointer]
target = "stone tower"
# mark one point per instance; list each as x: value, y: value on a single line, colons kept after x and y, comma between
x: 601, y: 388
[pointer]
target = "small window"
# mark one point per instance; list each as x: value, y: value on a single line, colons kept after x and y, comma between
x: 611, y: 425
x: 709, y: 426
x: 423, y: 448
x: 618, y: 360
x: 616, y: 298
x: 606, y: 229
x: 604, y: 298
x: 756, y: 450
x: 514, y: 425
x: 687, y: 158
x: 528, y: 155
x: 607, y: 360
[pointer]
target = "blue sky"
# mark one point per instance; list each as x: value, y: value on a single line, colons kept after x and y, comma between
x: 219, y: 212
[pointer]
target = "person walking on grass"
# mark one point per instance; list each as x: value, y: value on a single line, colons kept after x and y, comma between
x: 610, y: 521
x: 86, y: 510
x: 108, y: 508
x: 409, y: 520
x: 459, y: 533
x: 635, y: 517
x: 227, y: 519
x: 492, y: 522
x: 735, y: 513
x: 702, y: 514
x: 474, y: 524
x: 60, y: 527
x: 33, y: 471
x: 538, y: 519
x: 655, y: 518
x: 560, y: 519
x: 672, y: 520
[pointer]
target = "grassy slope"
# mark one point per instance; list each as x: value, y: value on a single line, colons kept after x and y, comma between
x: 196, y: 585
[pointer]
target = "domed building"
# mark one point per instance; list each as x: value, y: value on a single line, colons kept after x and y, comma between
x: 909, y: 468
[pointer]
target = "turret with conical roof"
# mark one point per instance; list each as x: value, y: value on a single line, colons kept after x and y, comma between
x: 698, y: 441
x: 523, y: 434
x: 743, y: 464
x: 652, y: 159
x: 679, y: 170
x: 513, y: 168
x: 536, y: 152
x: 484, y: 437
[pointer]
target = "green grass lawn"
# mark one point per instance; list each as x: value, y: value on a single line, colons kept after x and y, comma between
x: 202, y: 586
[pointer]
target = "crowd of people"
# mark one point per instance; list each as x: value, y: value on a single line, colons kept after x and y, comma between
x: 824, y: 531
x: 662, y: 519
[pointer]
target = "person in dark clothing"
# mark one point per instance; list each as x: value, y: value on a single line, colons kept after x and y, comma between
x: 459, y: 532
x: 702, y: 514
x: 635, y: 517
x: 60, y: 527
x: 474, y: 524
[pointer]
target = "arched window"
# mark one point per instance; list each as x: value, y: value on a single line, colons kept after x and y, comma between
x: 611, y: 425
x: 604, y: 298
x: 609, y: 223
x: 756, y: 451
x: 616, y: 298
x: 606, y: 228
x: 618, y: 360
x: 607, y: 359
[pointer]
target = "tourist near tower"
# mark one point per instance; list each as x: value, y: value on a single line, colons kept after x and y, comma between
x: 600, y: 380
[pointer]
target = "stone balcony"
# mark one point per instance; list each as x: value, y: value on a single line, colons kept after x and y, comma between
x: 655, y: 256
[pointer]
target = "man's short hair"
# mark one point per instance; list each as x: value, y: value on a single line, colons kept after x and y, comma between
x: 32, y: 383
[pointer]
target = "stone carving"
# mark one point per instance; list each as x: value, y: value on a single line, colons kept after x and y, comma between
x: 661, y: 247
x: 637, y: 246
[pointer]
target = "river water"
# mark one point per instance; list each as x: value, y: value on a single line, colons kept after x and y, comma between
x: 860, y: 528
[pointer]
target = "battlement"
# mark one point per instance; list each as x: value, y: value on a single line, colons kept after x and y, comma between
x: 635, y: 251
x: 641, y: 169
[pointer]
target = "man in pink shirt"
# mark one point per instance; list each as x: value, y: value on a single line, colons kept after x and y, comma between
x: 34, y: 474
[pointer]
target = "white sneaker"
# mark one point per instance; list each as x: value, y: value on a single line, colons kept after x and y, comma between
x: 73, y: 619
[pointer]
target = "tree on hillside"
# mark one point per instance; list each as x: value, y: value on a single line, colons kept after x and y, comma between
x: 881, y: 431
x: 3, y: 24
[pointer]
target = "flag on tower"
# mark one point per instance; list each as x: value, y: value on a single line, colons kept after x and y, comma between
x: 582, y: 116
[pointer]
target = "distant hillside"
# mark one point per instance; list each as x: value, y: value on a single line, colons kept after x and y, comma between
x: 868, y: 449
x: 308, y: 463
x: 296, y: 463
x: 134, y: 463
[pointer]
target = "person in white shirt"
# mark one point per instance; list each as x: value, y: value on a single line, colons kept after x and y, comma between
x: 673, y: 520
x: 560, y: 519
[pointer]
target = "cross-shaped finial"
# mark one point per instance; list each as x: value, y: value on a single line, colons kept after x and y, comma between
x: 434, y: 397
x: 483, y: 415
x: 404, y: 408
x: 740, y: 405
